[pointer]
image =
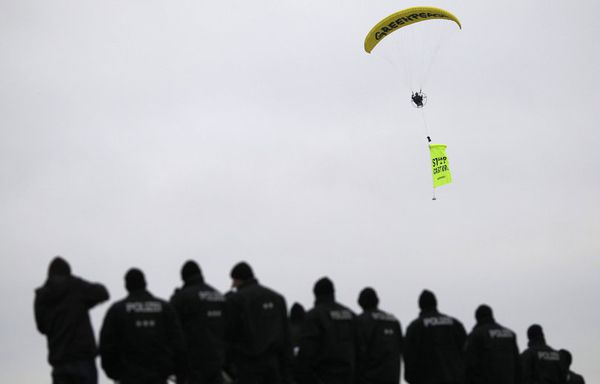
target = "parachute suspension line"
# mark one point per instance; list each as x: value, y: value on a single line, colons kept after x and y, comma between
x: 432, y: 55
x: 422, y: 62
x: 399, y: 66
x: 406, y: 71
x: 425, y: 127
x: 417, y: 63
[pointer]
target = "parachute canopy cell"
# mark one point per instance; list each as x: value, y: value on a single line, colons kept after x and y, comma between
x: 403, y: 18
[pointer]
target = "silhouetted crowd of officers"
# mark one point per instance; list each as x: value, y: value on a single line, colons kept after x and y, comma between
x: 201, y: 336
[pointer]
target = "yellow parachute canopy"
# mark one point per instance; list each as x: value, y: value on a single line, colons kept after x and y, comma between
x: 403, y: 18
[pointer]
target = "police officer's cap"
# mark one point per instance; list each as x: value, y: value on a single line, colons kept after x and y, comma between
x: 242, y: 271
x: 135, y: 280
x: 566, y: 357
x: 367, y: 299
x: 535, y: 332
x: 190, y: 269
x: 323, y: 286
x: 483, y: 312
x: 427, y: 300
x: 59, y: 267
x: 297, y: 312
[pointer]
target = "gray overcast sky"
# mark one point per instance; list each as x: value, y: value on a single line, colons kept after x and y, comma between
x: 144, y: 133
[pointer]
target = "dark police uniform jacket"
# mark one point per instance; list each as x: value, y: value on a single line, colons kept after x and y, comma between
x: 540, y: 364
x: 574, y: 378
x: 379, y: 347
x: 327, y: 346
x: 257, y: 332
x: 433, y: 350
x: 141, y: 341
x: 62, y: 314
x: 492, y: 355
x: 201, y: 311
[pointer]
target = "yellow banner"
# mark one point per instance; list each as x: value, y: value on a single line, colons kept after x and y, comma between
x: 439, y: 165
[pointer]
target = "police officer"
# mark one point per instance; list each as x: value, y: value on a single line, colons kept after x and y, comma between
x: 297, y: 315
x: 257, y: 330
x: 201, y: 310
x: 327, y: 353
x: 61, y: 309
x: 434, y: 343
x: 491, y: 352
x: 540, y: 363
x: 379, y: 342
x: 141, y: 341
x: 566, y: 358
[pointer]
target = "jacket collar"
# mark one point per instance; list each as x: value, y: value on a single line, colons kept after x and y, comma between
x: 139, y: 293
x: 428, y: 312
x: 485, y: 320
x: 194, y: 280
x: 536, y: 343
x: 248, y: 283
x: 325, y: 299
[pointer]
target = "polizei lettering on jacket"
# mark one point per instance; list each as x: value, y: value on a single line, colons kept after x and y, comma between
x: 143, y: 307
x: 437, y: 321
x: 500, y: 334
x: 382, y: 316
x: 386, y: 29
x: 214, y: 313
x: 211, y: 296
x: 549, y: 356
x: 340, y: 315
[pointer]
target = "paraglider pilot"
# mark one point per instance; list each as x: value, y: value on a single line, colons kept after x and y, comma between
x: 418, y: 99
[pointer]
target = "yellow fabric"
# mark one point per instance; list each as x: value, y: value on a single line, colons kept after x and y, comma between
x: 439, y: 165
x: 403, y: 18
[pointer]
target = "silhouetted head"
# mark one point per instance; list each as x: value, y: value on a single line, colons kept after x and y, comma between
x: 535, y: 333
x: 367, y: 299
x: 297, y: 313
x: 483, y: 312
x: 241, y: 272
x: 59, y: 267
x: 190, y: 270
x: 323, y: 288
x: 135, y: 280
x: 427, y: 300
x: 565, y: 357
